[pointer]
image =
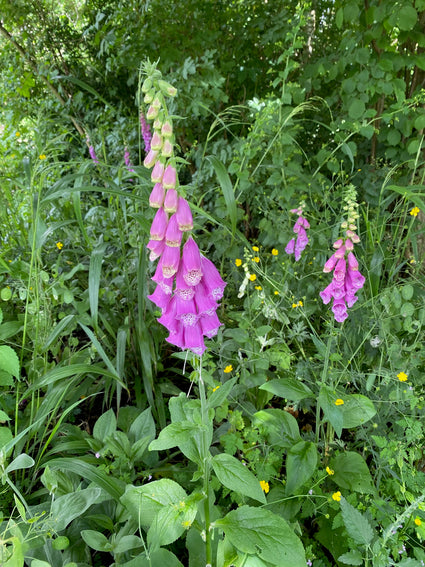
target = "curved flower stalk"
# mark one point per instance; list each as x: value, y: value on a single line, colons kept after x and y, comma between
x: 297, y: 245
x: 188, y: 285
x: 347, y: 279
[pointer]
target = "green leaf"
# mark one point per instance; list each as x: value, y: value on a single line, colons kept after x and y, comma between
x: 301, y: 463
x: 356, y: 524
x: 105, y: 426
x: 289, y: 388
x: 357, y: 410
x: 22, y: 461
x: 339, y: 18
x: 158, y: 558
x: 9, y: 360
x: 356, y: 109
x: 279, y: 427
x: 68, y: 507
x: 352, y: 557
x: 60, y: 327
x: 144, y: 502
x: 4, y: 417
x: 5, y: 436
x: 259, y: 532
x: 233, y: 475
x: 96, y: 540
x: 332, y: 412
x: 352, y: 473
x: 174, y: 435
x: 127, y: 542
x: 407, y: 292
x: 170, y: 523
x: 216, y: 398
x: 227, y: 188
x: 143, y: 426
x: 406, y: 17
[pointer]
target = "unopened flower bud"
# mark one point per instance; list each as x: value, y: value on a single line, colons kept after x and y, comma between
x: 170, y: 177
x: 167, y: 129
x: 166, y: 88
x: 156, y: 142
x: 152, y: 112
x: 148, y: 98
x: 156, y: 103
x: 167, y: 149
x: 147, y: 85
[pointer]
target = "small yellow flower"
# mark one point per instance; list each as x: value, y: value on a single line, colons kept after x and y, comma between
x: 402, y: 376
x: 228, y: 369
x: 186, y: 524
x: 217, y: 387
x: 418, y: 521
x: 256, y: 259
x: 414, y: 212
x: 255, y: 248
x: 252, y: 277
x: 294, y: 305
x: 275, y: 252
x: 300, y: 303
x: 336, y: 496
x: 59, y: 245
x: 330, y: 471
x: 258, y: 287
x: 276, y: 292
x: 42, y: 156
x: 238, y: 262
x: 339, y: 402
x: 265, y: 486
x: 17, y: 134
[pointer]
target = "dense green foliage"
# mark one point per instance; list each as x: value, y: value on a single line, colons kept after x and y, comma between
x: 295, y: 439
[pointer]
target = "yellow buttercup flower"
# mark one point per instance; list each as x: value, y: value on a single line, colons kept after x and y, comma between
x: 276, y: 292
x: 339, y: 402
x: 418, y: 521
x: 258, y: 287
x: 300, y: 303
x: 59, y: 245
x: 252, y: 277
x: 294, y: 305
x: 228, y: 369
x: 414, y: 212
x: 17, y: 134
x: 330, y: 471
x: 275, y: 252
x: 42, y: 156
x: 255, y: 248
x: 217, y: 387
x: 265, y: 486
x: 336, y: 496
x: 238, y: 262
x: 256, y: 259
x: 402, y: 376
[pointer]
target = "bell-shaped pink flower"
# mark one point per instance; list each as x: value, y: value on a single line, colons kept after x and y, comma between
x: 156, y: 248
x: 157, y: 172
x: 338, y: 243
x: 210, y: 325
x: 165, y: 282
x: 176, y: 337
x: 290, y: 247
x: 339, y: 309
x: 159, y: 225
x: 170, y: 260
x: 330, y: 264
x: 193, y: 339
x: 339, y: 272
x: 352, y: 262
x: 340, y: 253
x: 151, y: 159
x: 192, y: 272
x: 186, y: 311
x: 182, y: 289
x: 327, y: 293
x: 157, y: 196
x: 171, y: 200
x: 205, y: 303
x: 167, y: 149
x: 169, y: 179
x: 156, y: 142
x: 167, y: 129
x: 184, y: 215
x: 173, y: 234
x: 159, y: 297
x: 212, y: 279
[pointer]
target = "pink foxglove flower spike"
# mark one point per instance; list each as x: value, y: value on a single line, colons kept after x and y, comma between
x: 297, y: 245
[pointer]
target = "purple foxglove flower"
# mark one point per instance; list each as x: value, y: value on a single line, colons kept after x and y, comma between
x: 339, y: 272
x: 290, y: 247
x: 194, y: 340
x: 156, y: 142
x: 340, y: 311
x: 166, y: 88
x: 171, y: 199
x: 157, y: 196
x: 169, y: 179
x: 127, y: 161
x: 210, y: 325
x: 340, y: 253
x: 327, y: 293
x: 182, y: 289
x: 146, y: 132
x: 170, y: 260
x: 205, y: 303
x: 356, y: 279
x: 297, y: 225
x: 168, y: 317
x: 353, y: 265
x: 173, y: 235
x: 165, y: 282
x: 156, y: 247
x: 186, y: 311
x: 192, y: 271
x: 338, y: 292
x: 152, y: 112
x: 92, y: 153
x: 176, y: 337
x: 305, y: 222
x: 159, y: 225
x: 355, y: 238
x: 151, y: 159
x: 301, y: 243
x: 167, y: 149
x: 330, y: 264
x: 212, y: 279
x: 159, y: 297
x: 167, y: 129
x: 349, y: 246
x: 157, y: 172
x: 350, y: 299
x: 184, y: 215
x: 338, y: 243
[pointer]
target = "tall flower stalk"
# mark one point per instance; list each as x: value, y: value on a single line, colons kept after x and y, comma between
x: 347, y: 279
x: 188, y: 285
x: 297, y: 245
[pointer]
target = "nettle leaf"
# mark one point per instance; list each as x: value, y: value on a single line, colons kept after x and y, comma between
x: 261, y: 533
x: 233, y: 475
x: 356, y: 524
x: 288, y: 388
x: 106, y: 425
x: 352, y: 473
x: 9, y: 360
x: 301, y: 463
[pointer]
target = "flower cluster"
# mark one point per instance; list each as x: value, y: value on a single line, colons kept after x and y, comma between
x: 146, y: 132
x: 127, y: 160
x: 297, y: 245
x: 188, y: 285
x: 347, y: 280
x: 92, y: 151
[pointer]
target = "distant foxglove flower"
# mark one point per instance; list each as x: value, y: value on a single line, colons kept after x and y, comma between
x: 297, y: 245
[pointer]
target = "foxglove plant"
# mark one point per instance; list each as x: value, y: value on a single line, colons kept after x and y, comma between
x: 297, y: 245
x: 146, y: 133
x: 92, y: 152
x: 347, y: 279
x: 188, y: 285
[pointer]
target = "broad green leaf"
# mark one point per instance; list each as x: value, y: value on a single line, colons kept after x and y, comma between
x: 356, y: 524
x: 356, y: 109
x: 301, y: 463
x: 407, y: 292
x: 352, y: 473
x: 216, y: 398
x: 174, y: 435
x: 68, y: 507
x: 4, y: 417
x: 353, y: 557
x: 127, y: 542
x: 105, y: 426
x: 288, y: 388
x: 9, y: 360
x: 332, y: 412
x: 143, y: 426
x: 144, y: 502
x: 233, y: 475
x: 96, y: 540
x: 5, y: 436
x: 182, y: 409
x: 170, y: 523
x: 357, y: 410
x: 159, y: 558
x: 258, y: 531
x: 40, y: 563
x: 279, y: 426
x: 22, y: 461
x: 406, y: 17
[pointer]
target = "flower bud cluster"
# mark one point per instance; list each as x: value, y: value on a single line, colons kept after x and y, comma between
x: 188, y: 285
x: 347, y: 279
x: 297, y: 245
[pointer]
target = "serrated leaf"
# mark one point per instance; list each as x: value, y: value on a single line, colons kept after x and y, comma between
x: 9, y: 360
x: 259, y: 532
x: 352, y: 557
x: 356, y: 523
x: 233, y: 475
